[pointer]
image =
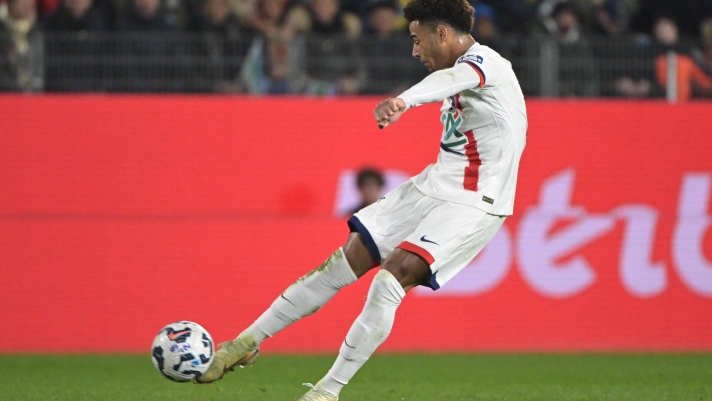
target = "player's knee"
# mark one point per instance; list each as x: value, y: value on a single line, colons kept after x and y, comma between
x: 397, y: 269
x: 409, y: 269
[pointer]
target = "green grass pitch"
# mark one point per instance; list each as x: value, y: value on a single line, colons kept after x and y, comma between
x: 616, y: 377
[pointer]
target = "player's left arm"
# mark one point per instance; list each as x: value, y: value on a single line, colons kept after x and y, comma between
x: 435, y: 87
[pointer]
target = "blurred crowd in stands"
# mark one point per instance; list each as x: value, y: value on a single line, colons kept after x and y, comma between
x: 344, y: 46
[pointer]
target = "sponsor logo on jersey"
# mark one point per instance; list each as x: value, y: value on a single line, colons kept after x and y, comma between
x: 451, y: 121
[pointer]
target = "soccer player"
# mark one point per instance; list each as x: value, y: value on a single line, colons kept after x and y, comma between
x: 428, y: 229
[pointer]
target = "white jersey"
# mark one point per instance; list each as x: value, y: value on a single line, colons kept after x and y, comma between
x: 484, y: 131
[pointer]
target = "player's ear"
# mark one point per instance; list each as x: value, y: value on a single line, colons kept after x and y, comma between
x: 441, y: 31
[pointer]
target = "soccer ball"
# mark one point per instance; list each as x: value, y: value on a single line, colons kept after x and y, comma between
x: 182, y: 351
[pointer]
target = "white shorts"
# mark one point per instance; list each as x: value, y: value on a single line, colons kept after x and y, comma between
x: 447, y: 235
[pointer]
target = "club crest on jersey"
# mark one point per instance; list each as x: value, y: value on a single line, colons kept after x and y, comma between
x: 472, y: 58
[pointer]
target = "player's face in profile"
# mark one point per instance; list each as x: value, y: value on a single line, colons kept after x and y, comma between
x: 426, y: 46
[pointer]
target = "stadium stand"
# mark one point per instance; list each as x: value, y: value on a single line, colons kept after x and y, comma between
x: 618, y: 48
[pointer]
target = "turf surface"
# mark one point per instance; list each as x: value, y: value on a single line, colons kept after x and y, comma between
x: 384, y: 377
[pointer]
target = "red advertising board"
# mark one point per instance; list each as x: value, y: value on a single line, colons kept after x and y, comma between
x: 119, y: 214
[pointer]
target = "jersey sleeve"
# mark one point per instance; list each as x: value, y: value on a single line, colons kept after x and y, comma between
x: 476, y: 62
x: 444, y: 83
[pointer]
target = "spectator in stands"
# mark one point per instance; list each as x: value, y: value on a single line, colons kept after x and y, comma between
x: 630, y: 87
x: 665, y: 32
x: 216, y: 16
x: 244, y: 10
x: 567, y: 28
x: 485, y: 23
x: 382, y: 18
x: 332, y: 60
x: 219, y: 16
x: 275, y: 64
x: 383, y: 41
x: 21, y: 48
x: 360, y: 8
x: 74, y: 19
x: 268, y: 16
x: 370, y: 184
x: 628, y: 68
x: 626, y: 64
x: 327, y: 17
x: 268, y: 68
x: 690, y: 77
x: 222, y: 46
x: 513, y: 16
x: 136, y: 69
x: 577, y: 70
x: 485, y: 30
x: 77, y: 16
x: 144, y: 15
x: 706, y: 33
x: 611, y: 17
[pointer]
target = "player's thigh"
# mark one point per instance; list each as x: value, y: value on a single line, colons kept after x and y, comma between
x: 449, y: 237
x: 386, y: 223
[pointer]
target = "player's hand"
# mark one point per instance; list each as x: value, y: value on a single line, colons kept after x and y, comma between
x: 388, y: 111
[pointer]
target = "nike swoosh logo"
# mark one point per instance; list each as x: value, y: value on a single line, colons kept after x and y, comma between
x: 173, y: 336
x: 347, y: 344
x: 427, y: 240
x: 285, y: 298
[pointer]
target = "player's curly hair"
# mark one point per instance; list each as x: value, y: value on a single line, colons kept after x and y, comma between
x: 458, y: 14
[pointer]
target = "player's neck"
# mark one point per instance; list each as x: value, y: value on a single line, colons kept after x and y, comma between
x: 459, y: 46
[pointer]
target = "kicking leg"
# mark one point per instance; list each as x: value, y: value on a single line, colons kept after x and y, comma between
x: 307, y: 295
x: 401, y: 271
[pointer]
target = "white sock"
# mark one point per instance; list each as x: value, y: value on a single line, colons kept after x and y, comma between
x: 304, y: 297
x: 370, y: 330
